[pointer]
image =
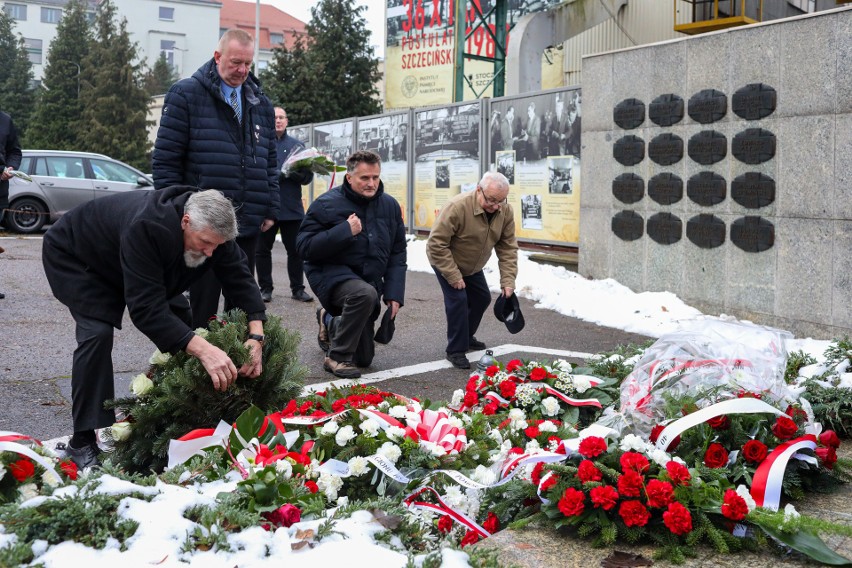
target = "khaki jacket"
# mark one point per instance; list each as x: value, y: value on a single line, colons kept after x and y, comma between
x: 462, y: 239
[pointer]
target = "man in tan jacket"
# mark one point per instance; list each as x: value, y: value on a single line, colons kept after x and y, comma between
x: 469, y: 227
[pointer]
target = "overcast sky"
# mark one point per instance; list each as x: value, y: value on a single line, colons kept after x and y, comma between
x: 375, y: 14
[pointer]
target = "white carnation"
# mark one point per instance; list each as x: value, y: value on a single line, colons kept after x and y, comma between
x: 329, y: 484
x: 370, y: 427
x: 455, y: 422
x: 550, y: 406
x: 454, y: 496
x: 532, y: 447
x: 344, y: 435
x: 458, y: 396
x: 484, y: 475
x: 28, y: 491
x: 547, y: 426
x: 358, y: 466
x: 330, y: 428
x: 582, y: 383
x: 159, y: 358
x: 436, y: 449
x: 632, y: 443
x: 517, y: 414
x: 141, y: 384
x: 284, y: 467
x: 49, y: 479
x: 390, y: 451
x: 395, y: 433
x: 660, y: 457
x: 398, y: 411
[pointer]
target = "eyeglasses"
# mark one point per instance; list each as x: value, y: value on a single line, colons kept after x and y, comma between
x: 491, y: 200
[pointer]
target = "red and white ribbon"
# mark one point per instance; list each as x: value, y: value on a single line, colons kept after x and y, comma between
x: 442, y: 507
x: 572, y: 401
x: 767, y: 481
x: 9, y: 443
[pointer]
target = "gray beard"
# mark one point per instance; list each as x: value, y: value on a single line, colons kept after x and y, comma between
x: 193, y: 260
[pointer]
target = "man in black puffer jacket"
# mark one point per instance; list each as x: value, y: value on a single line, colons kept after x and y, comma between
x: 218, y: 132
x: 352, y: 241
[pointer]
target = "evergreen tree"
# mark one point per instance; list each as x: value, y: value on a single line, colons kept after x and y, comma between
x: 55, y: 123
x: 115, y: 104
x: 160, y: 77
x: 334, y: 74
x: 16, y: 75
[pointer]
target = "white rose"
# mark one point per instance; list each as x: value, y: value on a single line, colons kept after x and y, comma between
x: 358, y: 466
x: 121, y: 431
x: 202, y: 332
x: 141, y: 384
x: 283, y: 466
x: 159, y: 358
x: 329, y: 428
x: 550, y: 406
x: 344, y: 435
x: 582, y: 383
x: 390, y: 451
x: 370, y: 427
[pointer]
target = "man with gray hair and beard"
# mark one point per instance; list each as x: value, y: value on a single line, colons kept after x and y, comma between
x: 141, y: 250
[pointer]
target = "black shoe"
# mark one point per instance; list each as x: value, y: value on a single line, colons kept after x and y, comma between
x: 342, y: 369
x: 84, y: 457
x: 266, y: 295
x: 459, y: 360
x: 2, y: 295
x: 474, y: 344
x: 302, y: 296
x: 322, y: 336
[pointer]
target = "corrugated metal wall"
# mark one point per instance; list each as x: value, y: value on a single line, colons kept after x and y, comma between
x: 640, y: 22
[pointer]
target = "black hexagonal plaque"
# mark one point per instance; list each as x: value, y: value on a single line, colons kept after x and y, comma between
x: 707, y: 147
x: 666, y: 110
x: 629, y: 113
x: 753, y: 190
x: 753, y: 146
x: 754, y: 101
x: 629, y: 150
x: 628, y: 188
x: 666, y: 149
x: 706, y: 231
x: 665, y: 228
x: 707, y: 188
x: 707, y: 106
x: 752, y: 234
x: 665, y: 188
x: 628, y: 225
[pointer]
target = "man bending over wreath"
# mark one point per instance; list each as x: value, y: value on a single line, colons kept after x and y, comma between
x: 142, y: 249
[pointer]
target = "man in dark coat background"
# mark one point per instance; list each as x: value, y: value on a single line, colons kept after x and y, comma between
x: 141, y: 249
x: 10, y: 159
x: 290, y: 215
x: 353, y: 244
x: 217, y: 132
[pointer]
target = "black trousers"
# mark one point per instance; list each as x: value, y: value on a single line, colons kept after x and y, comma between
x: 464, y: 309
x: 351, y: 333
x: 263, y: 256
x: 204, y: 294
x: 92, y: 371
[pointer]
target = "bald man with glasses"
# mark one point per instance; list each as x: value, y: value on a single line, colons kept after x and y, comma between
x: 468, y: 229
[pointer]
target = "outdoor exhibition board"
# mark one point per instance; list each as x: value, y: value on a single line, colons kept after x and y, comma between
x: 387, y: 135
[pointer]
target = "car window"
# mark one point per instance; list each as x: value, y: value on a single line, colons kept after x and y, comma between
x: 111, y: 171
x: 25, y: 164
x: 60, y: 166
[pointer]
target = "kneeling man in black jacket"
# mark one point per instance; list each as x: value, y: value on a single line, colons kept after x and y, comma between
x: 142, y: 249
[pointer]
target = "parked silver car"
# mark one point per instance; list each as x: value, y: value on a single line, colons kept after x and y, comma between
x: 61, y: 181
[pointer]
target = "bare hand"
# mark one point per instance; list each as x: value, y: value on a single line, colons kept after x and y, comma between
x: 394, y: 308
x: 7, y: 173
x: 507, y: 292
x: 354, y: 224
x: 458, y: 285
x: 254, y: 367
x: 216, y: 362
x: 267, y: 224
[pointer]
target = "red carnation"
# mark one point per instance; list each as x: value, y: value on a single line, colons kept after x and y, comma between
x: 491, y: 371
x: 734, y: 507
x: 720, y: 422
x: 634, y: 514
x: 634, y: 461
x: 660, y: 493
x: 445, y: 524
x: 512, y: 365
x: 655, y: 434
x: 538, y: 374
x: 571, y: 503
x: 69, y: 468
x: 290, y: 409
x: 754, y: 451
x: 678, y: 519
x: 508, y: 388
x: 784, y: 428
x: 22, y: 469
x: 472, y: 383
x: 829, y: 438
x: 678, y: 473
x: 471, y: 398
x: 592, y: 447
x: 490, y: 409
x: 604, y: 497
x: 535, y: 475
x: 311, y: 486
x: 532, y: 432
x: 338, y: 405
x: 492, y: 523
x: 828, y: 456
x: 548, y: 482
x: 470, y: 537
x: 630, y: 483
x: 587, y: 471
x: 716, y: 456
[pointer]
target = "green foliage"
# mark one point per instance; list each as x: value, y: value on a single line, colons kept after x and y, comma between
x: 330, y: 75
x: 115, y: 104
x: 795, y: 361
x: 160, y: 77
x: 16, y: 75
x: 183, y: 398
x: 56, y: 123
x: 228, y: 514
x: 618, y: 363
x: 832, y: 406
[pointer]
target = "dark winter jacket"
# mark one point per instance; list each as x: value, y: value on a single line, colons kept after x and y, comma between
x: 128, y: 250
x: 291, y: 185
x: 10, y: 155
x: 332, y: 255
x: 201, y: 143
